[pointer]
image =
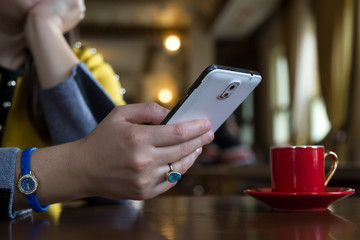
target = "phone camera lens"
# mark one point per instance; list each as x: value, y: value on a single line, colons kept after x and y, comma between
x: 229, y: 90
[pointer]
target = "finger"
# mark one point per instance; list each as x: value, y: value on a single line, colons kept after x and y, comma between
x: 143, y: 113
x: 170, y: 154
x: 161, y: 188
x: 174, y: 153
x: 183, y: 165
x: 167, y: 135
x: 180, y: 166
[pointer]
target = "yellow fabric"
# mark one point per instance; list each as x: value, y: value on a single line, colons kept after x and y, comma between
x: 102, y: 71
x: 19, y: 130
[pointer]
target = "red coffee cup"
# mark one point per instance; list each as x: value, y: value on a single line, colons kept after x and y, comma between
x: 300, y: 168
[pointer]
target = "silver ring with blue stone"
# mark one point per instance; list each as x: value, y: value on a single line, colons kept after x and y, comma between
x: 172, y: 176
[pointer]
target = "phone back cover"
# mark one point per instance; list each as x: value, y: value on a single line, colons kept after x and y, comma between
x: 203, y: 101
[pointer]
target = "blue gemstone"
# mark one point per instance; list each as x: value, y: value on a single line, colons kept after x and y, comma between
x: 174, y: 177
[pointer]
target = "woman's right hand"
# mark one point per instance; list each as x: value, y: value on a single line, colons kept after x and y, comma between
x: 64, y: 15
x: 122, y: 159
x: 44, y: 28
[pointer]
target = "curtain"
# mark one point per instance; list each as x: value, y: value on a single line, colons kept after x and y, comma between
x: 300, y: 47
x: 332, y: 25
x: 334, y: 20
x: 354, y: 116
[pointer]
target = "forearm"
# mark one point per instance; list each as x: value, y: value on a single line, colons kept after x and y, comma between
x: 52, y: 54
x: 58, y: 171
x: 66, y: 112
x: 120, y: 159
x: 73, y: 108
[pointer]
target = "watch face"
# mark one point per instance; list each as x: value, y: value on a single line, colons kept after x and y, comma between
x: 27, y: 184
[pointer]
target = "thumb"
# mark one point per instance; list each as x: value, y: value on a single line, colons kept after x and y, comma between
x: 143, y: 113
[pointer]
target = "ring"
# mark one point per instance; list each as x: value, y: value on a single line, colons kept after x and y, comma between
x: 172, y: 176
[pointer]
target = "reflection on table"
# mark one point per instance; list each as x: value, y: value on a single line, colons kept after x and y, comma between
x: 231, y: 217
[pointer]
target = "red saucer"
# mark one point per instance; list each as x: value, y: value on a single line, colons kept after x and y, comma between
x: 299, y: 201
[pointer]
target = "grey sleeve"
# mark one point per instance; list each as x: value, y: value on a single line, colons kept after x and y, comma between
x: 7, y: 186
x: 73, y: 108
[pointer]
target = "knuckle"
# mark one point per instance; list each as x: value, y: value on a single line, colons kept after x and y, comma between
x: 185, y: 149
x: 135, y: 137
x: 141, y: 186
x: 180, y: 131
x: 152, y: 107
x: 186, y: 164
x: 182, y: 167
x: 140, y: 163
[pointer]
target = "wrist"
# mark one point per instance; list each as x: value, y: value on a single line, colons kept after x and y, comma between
x: 28, y: 183
x: 63, y: 173
x: 52, y: 54
x: 37, y: 29
x: 81, y: 157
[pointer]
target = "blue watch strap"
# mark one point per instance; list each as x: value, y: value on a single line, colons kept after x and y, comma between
x: 34, y: 203
x: 25, y: 169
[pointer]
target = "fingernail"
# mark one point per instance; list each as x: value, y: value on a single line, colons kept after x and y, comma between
x: 208, y: 124
x: 211, y: 136
x: 199, y: 150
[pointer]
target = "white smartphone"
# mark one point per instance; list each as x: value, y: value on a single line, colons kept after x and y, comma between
x: 215, y: 95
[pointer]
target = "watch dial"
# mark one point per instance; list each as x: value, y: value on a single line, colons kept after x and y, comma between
x: 28, y: 184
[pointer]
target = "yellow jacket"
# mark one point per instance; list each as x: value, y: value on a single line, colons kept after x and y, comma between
x: 20, y: 132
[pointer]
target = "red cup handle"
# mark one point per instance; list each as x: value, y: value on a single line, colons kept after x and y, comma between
x: 334, y: 165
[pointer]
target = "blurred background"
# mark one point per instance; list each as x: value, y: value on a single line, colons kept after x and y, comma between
x: 307, y: 52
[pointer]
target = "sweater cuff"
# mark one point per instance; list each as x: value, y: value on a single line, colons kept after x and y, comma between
x: 66, y: 111
x: 7, y: 183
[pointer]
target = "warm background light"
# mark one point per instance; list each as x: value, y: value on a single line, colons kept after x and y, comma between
x: 165, y: 96
x: 172, y: 43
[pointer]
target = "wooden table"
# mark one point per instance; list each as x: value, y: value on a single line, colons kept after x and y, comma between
x: 203, y: 218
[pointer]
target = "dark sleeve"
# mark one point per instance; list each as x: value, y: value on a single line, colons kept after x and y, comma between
x: 73, y: 108
x: 7, y: 186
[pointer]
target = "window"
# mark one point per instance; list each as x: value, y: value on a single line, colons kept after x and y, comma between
x: 301, y: 117
x: 280, y: 95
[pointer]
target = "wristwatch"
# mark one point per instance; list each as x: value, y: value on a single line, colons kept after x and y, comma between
x: 28, y: 183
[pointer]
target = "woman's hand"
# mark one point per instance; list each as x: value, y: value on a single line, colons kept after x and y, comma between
x: 122, y: 159
x: 45, y: 25
x: 62, y: 14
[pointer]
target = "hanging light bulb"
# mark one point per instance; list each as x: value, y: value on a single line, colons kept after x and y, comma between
x: 165, y: 95
x: 172, y: 43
